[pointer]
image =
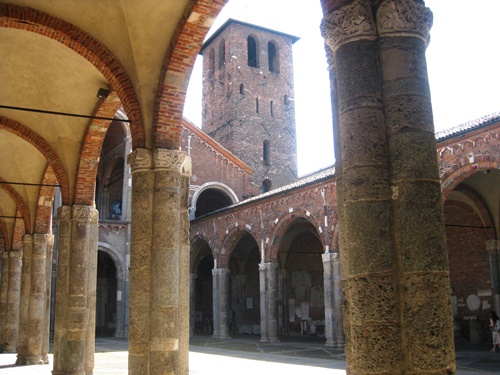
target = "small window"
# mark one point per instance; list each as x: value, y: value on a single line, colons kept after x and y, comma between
x: 266, y: 186
x: 271, y: 109
x: 242, y: 89
x: 222, y: 53
x: 272, y: 53
x: 256, y: 105
x: 286, y: 100
x: 253, y: 58
x: 266, y: 153
x: 211, y: 63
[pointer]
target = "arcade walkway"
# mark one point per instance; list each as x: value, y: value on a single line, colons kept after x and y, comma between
x: 249, y: 356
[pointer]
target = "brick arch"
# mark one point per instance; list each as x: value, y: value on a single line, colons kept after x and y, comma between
x: 43, y: 219
x: 91, y: 150
x: 461, y: 171
x: 179, y: 62
x: 195, y: 253
x: 283, y: 225
x: 5, y: 235
x: 32, y: 20
x: 44, y: 148
x: 230, y: 241
x: 22, y: 206
x: 481, y: 205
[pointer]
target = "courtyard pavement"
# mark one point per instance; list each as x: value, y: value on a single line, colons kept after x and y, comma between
x: 245, y: 355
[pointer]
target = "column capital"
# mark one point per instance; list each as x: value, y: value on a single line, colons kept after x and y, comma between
x: 221, y: 271
x: 43, y: 239
x: 268, y: 266
x: 84, y: 213
x: 330, y: 257
x: 15, y: 254
x: 404, y: 18
x: 140, y: 160
x: 27, y: 239
x: 64, y: 213
x: 349, y: 23
x: 173, y: 160
x: 492, y: 246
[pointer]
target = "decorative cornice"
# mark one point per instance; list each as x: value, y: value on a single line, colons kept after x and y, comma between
x: 404, y: 18
x: 221, y: 271
x: 27, y: 239
x: 140, y: 159
x: 350, y: 23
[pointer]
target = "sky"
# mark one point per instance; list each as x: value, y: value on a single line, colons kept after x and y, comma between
x: 463, y: 61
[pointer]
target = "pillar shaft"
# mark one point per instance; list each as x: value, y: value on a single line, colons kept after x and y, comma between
x: 192, y: 304
x: 159, y: 269
x: 220, y: 277
x: 49, y: 244
x: 4, y: 291
x: 74, y: 332
x: 13, y: 302
x: 334, y: 332
x: 393, y: 258
x: 24, y: 308
x: 493, y: 248
x: 268, y: 302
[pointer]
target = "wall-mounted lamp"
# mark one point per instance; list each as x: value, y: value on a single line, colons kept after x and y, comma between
x: 102, y: 93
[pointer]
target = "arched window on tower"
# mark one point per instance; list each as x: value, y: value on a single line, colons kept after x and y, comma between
x: 242, y: 89
x: 211, y: 63
x: 272, y: 53
x: 222, y: 53
x: 266, y: 153
x: 266, y: 186
x: 253, y: 56
x: 286, y: 100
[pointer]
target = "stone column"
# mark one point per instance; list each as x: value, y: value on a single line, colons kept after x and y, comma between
x: 74, y: 331
x: 393, y: 255
x: 334, y: 332
x: 24, y: 308
x: 4, y: 291
x: 268, y: 302
x: 159, y: 263
x: 49, y: 243
x: 282, y: 311
x: 13, y: 302
x: 493, y: 248
x: 192, y: 303
x: 220, y: 277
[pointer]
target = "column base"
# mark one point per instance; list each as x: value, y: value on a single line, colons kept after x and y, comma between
x: 330, y: 343
x: 36, y: 360
x: 45, y: 359
x: 221, y: 336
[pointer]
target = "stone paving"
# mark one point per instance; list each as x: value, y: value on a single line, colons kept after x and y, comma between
x: 245, y: 355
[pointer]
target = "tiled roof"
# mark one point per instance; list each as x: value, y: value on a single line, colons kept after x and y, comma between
x: 468, y: 126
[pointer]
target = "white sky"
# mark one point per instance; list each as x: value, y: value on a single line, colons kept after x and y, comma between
x: 463, y: 61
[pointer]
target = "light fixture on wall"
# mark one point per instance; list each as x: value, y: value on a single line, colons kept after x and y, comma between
x: 102, y: 93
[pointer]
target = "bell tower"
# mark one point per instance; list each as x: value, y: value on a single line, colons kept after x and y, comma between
x: 248, y: 97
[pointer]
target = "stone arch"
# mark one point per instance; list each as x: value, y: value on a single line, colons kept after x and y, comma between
x: 216, y: 186
x: 115, y: 256
x: 200, y: 247
x: 44, y: 148
x: 28, y: 19
x: 282, y: 225
x: 230, y: 240
x: 460, y: 172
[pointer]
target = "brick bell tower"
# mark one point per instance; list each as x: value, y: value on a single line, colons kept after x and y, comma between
x: 248, y: 97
